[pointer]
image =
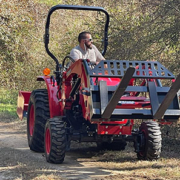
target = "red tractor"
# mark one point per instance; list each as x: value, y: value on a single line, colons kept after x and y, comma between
x: 99, y: 103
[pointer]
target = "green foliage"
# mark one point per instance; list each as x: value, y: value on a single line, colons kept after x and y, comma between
x: 7, y: 97
x: 49, y: 2
x: 8, y: 111
x: 138, y: 30
x: 8, y: 104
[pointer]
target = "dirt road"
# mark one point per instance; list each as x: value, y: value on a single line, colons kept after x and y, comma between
x: 18, y: 162
x: 83, y: 161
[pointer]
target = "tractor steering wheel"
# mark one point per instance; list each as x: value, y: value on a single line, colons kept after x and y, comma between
x: 63, y: 63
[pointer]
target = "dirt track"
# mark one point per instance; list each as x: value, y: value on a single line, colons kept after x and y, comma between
x: 83, y: 161
x: 18, y: 162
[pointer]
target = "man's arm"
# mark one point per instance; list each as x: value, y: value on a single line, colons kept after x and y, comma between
x: 99, y: 56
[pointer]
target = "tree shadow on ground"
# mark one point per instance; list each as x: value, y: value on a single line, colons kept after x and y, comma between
x: 25, y: 164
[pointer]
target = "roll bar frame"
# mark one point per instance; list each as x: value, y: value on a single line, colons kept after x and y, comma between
x: 73, y: 7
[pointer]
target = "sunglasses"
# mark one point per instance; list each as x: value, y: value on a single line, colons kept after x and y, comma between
x: 88, y: 40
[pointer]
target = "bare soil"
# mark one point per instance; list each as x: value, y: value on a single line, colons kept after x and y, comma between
x: 83, y: 161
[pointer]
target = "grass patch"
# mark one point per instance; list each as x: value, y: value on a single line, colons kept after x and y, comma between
x: 129, y: 167
x: 8, y: 97
x: 48, y: 2
x: 8, y: 111
x: 8, y: 101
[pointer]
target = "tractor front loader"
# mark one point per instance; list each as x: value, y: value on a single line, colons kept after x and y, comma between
x: 100, y: 103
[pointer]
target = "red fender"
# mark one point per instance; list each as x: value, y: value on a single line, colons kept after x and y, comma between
x: 54, y: 105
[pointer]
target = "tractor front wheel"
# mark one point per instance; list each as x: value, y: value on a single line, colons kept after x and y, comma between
x: 55, y: 140
x: 38, y: 113
x: 149, y: 141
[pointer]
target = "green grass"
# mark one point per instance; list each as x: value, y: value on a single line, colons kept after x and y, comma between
x: 48, y: 2
x: 8, y: 96
x: 8, y: 111
x: 8, y: 101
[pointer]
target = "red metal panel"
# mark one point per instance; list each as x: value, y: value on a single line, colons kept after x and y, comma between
x: 22, y: 103
x: 164, y: 122
x: 115, y: 128
x: 26, y: 95
x: 54, y: 105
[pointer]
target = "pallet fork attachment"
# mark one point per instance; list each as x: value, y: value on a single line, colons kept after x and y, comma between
x: 161, y: 101
x: 159, y: 113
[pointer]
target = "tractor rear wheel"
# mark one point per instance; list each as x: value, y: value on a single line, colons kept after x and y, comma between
x: 38, y: 113
x: 149, y: 141
x: 55, y: 140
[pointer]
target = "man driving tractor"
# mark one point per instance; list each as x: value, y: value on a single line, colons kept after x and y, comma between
x: 86, y: 50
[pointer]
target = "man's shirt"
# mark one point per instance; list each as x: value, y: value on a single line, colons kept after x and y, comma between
x: 92, y: 54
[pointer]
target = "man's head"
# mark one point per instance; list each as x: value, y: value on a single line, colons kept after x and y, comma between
x: 85, y: 39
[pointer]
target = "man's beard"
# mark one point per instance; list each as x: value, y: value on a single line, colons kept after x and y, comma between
x: 88, y: 46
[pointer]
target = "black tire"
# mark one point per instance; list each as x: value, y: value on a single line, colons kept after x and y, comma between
x: 114, y: 146
x: 38, y: 113
x: 150, y: 141
x: 55, y: 140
